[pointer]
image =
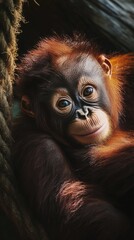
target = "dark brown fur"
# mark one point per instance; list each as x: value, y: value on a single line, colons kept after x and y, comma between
x: 78, y: 192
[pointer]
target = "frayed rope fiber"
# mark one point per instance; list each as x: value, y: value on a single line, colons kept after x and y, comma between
x: 11, y: 202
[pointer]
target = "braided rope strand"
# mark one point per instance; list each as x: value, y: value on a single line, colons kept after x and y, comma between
x: 10, y: 200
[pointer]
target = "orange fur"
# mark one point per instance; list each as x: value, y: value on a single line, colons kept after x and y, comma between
x: 119, y: 141
x: 121, y: 66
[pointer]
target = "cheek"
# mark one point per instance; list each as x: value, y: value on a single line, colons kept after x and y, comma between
x: 58, y: 126
x: 94, y: 129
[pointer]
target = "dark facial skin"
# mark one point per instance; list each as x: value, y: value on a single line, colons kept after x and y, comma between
x: 72, y: 160
x: 78, y: 101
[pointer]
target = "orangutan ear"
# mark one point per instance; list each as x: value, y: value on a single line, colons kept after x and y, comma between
x: 26, y: 106
x: 105, y: 64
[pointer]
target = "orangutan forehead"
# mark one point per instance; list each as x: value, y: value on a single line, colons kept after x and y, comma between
x: 77, y: 62
x: 76, y: 67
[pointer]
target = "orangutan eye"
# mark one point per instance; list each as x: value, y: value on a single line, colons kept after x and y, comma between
x: 88, y: 91
x: 63, y: 103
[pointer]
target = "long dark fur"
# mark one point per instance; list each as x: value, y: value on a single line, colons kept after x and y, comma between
x: 77, y: 192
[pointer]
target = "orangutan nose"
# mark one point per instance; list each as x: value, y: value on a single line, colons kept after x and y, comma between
x: 83, y: 113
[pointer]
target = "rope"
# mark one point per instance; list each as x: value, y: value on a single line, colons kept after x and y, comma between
x: 11, y: 202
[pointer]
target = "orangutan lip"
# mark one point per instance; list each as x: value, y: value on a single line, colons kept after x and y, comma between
x: 90, y: 133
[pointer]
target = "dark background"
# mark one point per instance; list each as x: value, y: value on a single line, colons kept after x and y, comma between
x: 61, y: 17
x: 108, y: 23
